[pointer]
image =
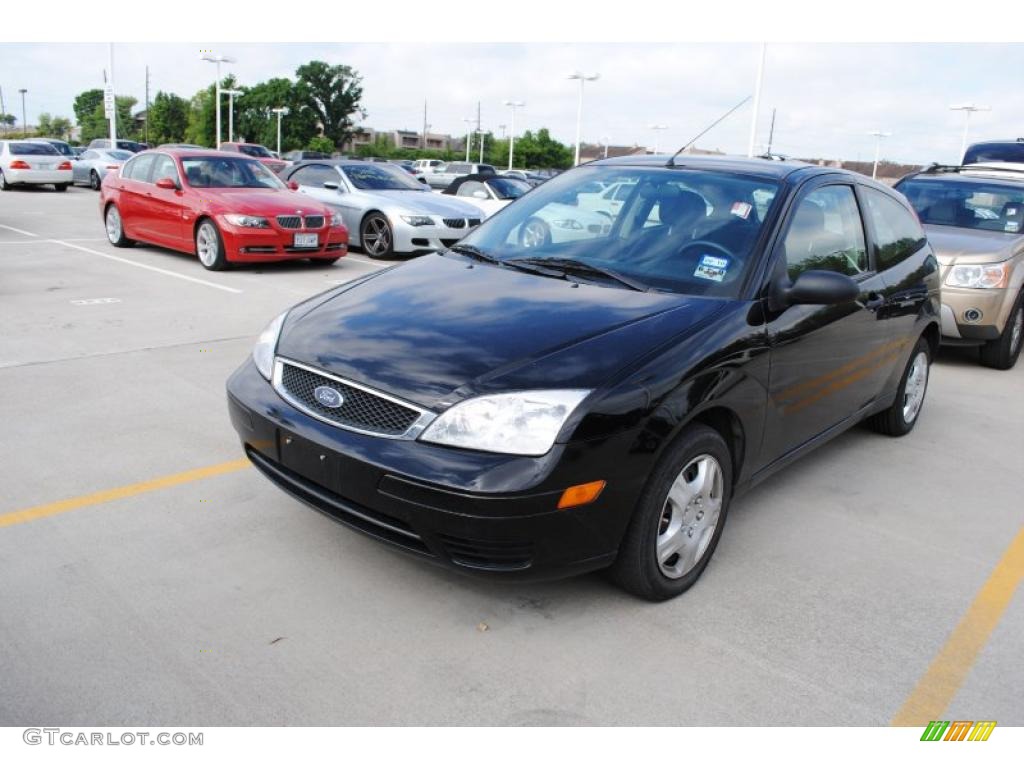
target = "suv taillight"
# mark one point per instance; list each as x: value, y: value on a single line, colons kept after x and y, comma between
x: 20, y: 165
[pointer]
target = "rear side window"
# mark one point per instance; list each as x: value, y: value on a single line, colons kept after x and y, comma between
x: 139, y: 169
x: 826, y: 232
x: 32, y: 148
x: 897, y: 232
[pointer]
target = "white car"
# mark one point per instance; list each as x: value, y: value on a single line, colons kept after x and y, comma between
x: 33, y: 162
x: 488, y: 193
x: 606, y: 201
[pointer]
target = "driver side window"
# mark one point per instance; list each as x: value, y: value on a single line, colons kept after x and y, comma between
x: 826, y: 233
x: 467, y: 189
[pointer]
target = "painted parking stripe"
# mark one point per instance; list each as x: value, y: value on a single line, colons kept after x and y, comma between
x: 150, y: 267
x: 948, y: 670
x: 19, y: 231
x: 111, y: 494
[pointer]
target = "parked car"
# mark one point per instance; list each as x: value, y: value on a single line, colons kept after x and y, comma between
x: 442, y: 177
x: 222, y: 207
x: 59, y: 144
x: 386, y: 210
x: 541, y: 411
x: 529, y: 177
x: 488, y: 193
x: 605, y: 200
x: 298, y: 155
x: 77, y: 151
x: 258, y: 151
x: 180, y: 146
x: 130, y: 146
x: 1004, y: 151
x: 31, y: 163
x: 974, y: 217
x: 426, y: 166
x: 94, y: 164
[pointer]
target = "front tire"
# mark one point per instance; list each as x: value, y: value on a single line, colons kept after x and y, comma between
x: 679, y: 518
x: 901, y: 417
x: 534, y: 233
x: 94, y: 181
x: 210, y: 246
x: 376, y: 236
x: 115, y: 228
x: 1002, y: 353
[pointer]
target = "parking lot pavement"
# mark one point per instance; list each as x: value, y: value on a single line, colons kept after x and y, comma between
x: 149, y: 595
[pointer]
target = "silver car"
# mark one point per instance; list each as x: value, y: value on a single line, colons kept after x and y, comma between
x: 33, y: 162
x: 386, y: 210
x: 93, y: 165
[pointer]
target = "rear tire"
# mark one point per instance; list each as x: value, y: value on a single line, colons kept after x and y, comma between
x: 94, y: 181
x: 678, y: 519
x: 1002, y: 353
x: 901, y: 417
x: 115, y: 228
x: 210, y: 246
x: 4, y: 186
x: 61, y: 187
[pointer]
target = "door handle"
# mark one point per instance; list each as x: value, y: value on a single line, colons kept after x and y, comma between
x: 874, y: 302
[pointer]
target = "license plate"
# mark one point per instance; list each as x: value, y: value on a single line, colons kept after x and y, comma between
x: 307, y: 240
x: 46, y: 166
x: 308, y: 459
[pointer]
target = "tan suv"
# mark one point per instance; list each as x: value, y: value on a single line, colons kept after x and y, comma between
x: 974, y: 218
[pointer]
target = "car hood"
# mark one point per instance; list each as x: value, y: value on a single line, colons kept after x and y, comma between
x: 956, y: 245
x: 261, y: 202
x: 440, y: 329
x: 425, y: 202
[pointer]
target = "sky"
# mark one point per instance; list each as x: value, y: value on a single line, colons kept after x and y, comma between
x: 827, y: 97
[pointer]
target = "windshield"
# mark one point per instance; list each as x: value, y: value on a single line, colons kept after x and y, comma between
x: 33, y: 148
x: 254, y: 150
x: 509, y: 189
x: 228, y: 172
x: 955, y: 202
x: 380, y: 177
x: 995, y: 152
x: 685, y: 231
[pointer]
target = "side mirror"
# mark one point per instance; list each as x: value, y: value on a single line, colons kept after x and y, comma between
x: 166, y: 184
x: 332, y: 185
x: 479, y: 194
x: 816, y: 287
x: 292, y: 185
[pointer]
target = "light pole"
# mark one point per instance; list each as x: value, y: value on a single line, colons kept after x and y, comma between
x: 879, y: 135
x: 469, y: 135
x: 512, y: 129
x: 656, y: 128
x: 218, y: 60
x: 967, y: 109
x: 606, y: 140
x: 280, y: 111
x: 757, y: 102
x: 24, y: 125
x: 231, y: 112
x: 579, y: 107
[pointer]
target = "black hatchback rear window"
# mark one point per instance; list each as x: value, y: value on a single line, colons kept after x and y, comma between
x: 32, y: 148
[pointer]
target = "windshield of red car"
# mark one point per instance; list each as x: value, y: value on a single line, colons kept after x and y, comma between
x: 229, y: 173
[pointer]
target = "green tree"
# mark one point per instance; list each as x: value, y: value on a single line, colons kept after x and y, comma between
x: 256, y: 120
x: 333, y: 94
x: 201, y: 124
x: 320, y: 144
x: 539, y: 150
x: 8, y: 120
x: 85, y: 113
x: 61, y: 127
x: 167, y: 118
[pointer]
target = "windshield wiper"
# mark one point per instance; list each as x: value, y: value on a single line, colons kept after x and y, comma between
x: 575, y: 266
x: 474, y: 253
x: 522, y: 265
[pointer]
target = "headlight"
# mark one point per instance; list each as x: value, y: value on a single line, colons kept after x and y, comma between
x: 522, y: 423
x: 336, y: 220
x: 266, y: 345
x: 567, y: 224
x: 418, y: 221
x: 252, y: 222
x: 979, y: 275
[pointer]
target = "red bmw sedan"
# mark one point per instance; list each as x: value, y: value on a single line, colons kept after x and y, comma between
x: 221, y: 206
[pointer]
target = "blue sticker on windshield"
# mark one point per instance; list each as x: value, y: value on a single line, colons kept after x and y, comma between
x: 712, y: 268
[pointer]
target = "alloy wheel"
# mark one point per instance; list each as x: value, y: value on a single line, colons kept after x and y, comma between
x: 913, y: 391
x: 689, y: 516
x: 113, y: 224
x: 94, y: 180
x: 207, y: 244
x: 534, y: 234
x: 376, y: 236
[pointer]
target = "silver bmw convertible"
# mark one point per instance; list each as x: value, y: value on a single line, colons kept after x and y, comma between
x: 387, y: 211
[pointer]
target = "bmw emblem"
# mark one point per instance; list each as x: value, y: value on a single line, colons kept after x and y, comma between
x: 328, y: 397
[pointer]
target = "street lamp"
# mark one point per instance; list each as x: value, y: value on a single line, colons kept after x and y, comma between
x: 218, y: 60
x: 280, y: 111
x: 605, y: 140
x: 24, y: 125
x: 512, y: 129
x: 579, y: 108
x: 656, y: 128
x: 879, y: 135
x: 967, y: 109
x: 231, y: 112
x: 469, y: 135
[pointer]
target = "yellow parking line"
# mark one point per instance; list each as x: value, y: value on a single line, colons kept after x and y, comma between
x: 948, y: 670
x: 67, y: 505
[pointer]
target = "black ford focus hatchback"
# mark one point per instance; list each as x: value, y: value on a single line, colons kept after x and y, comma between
x: 572, y: 388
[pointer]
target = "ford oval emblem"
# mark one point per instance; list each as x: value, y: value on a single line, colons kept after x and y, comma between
x: 328, y: 397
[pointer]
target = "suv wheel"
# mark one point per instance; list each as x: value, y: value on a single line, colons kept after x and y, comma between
x: 1002, y: 353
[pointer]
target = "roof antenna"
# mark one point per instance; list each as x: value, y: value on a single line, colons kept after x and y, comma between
x: 672, y: 160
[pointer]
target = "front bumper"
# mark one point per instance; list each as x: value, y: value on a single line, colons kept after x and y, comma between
x: 435, y: 237
x: 245, y: 244
x: 34, y: 176
x: 975, y: 314
x: 468, y: 510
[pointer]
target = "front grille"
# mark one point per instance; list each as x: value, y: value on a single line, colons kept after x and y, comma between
x: 474, y: 222
x: 488, y: 555
x: 314, y: 222
x: 289, y: 222
x: 454, y: 223
x: 359, y: 410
